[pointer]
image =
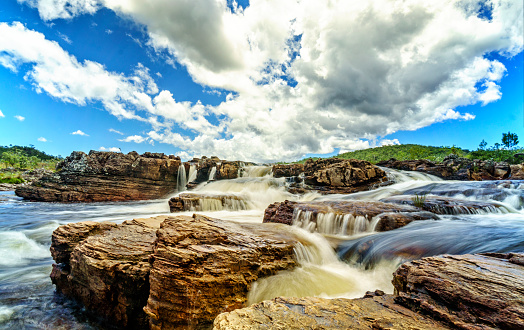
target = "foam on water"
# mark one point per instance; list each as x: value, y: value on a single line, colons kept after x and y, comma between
x: 17, y: 249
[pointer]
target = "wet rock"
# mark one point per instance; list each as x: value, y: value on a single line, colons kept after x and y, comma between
x: 517, y: 172
x: 337, y: 217
x: 287, y: 170
x: 467, y: 291
x: 106, y: 267
x: 202, y: 267
x: 106, y: 176
x: 375, y: 312
x: 206, y: 202
x: 446, y: 205
x: 391, y: 220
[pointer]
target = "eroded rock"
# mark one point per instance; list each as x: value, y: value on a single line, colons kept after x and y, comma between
x: 446, y: 205
x: 202, y: 267
x: 106, y: 176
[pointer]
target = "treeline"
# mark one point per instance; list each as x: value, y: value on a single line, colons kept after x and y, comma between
x: 24, y: 157
x: 507, y: 151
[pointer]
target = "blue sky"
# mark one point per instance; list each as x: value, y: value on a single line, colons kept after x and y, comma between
x: 261, y: 80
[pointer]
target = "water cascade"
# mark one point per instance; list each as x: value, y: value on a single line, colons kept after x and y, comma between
x: 212, y: 173
x: 193, y: 171
x: 331, y: 223
x: 181, y: 179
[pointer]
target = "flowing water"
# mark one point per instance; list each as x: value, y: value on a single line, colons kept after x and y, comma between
x: 363, y: 260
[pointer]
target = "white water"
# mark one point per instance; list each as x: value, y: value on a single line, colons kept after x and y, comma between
x: 212, y: 173
x: 192, y: 173
x: 181, y: 179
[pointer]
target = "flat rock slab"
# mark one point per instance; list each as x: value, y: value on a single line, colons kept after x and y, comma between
x: 378, y: 312
x: 466, y: 291
x: 202, y: 267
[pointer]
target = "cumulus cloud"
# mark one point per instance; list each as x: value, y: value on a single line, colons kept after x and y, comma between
x: 113, y: 149
x: 1, y: 114
x: 19, y: 118
x: 112, y: 130
x: 42, y: 139
x: 79, y: 132
x: 304, y: 76
x: 134, y: 138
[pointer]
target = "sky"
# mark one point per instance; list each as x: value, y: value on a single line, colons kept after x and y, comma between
x: 263, y: 81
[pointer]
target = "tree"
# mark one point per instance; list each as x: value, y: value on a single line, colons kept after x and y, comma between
x: 9, y: 158
x: 510, y: 140
x: 482, y: 145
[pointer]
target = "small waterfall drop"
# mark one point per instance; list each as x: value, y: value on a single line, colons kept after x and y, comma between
x: 212, y: 173
x: 181, y: 179
x: 256, y: 171
x: 193, y: 171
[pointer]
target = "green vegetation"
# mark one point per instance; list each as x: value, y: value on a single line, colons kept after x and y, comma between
x: 404, y: 152
x: 26, y: 158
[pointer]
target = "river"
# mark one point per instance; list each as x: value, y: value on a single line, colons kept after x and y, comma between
x: 363, y: 260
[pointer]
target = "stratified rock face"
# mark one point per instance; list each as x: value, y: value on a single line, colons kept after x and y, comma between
x: 106, y: 176
x: 343, y: 217
x: 454, y: 167
x: 105, y: 266
x: 467, y: 291
x: 374, y: 312
x: 334, y: 175
x: 206, y: 202
x: 446, y: 205
x: 202, y: 267
x: 517, y: 172
x: 222, y: 169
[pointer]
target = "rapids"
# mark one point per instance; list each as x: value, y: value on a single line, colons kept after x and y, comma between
x: 362, y: 260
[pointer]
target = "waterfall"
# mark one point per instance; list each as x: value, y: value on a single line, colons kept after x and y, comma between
x: 256, y: 171
x: 212, y: 173
x: 192, y: 173
x: 331, y: 223
x: 181, y: 179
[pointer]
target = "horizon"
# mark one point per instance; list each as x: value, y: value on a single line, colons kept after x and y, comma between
x: 259, y: 81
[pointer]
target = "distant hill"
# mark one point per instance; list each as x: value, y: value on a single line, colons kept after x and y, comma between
x: 404, y: 152
x: 28, y: 152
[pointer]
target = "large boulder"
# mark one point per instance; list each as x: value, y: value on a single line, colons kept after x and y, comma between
x: 106, y: 176
x: 202, y: 267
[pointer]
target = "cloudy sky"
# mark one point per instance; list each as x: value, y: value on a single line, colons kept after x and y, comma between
x: 258, y: 80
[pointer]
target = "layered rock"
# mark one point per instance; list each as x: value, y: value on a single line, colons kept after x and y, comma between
x: 444, y: 292
x: 446, y: 205
x: 215, y: 169
x: 202, y: 267
x: 454, y: 167
x: 206, y: 202
x: 106, y: 267
x: 106, y: 176
x: 334, y: 175
x: 466, y: 292
x: 344, y: 217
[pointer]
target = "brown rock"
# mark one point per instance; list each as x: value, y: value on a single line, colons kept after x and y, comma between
x: 106, y: 176
x: 202, y: 267
x: 203, y: 202
x: 445, y: 205
x: 517, y: 172
x: 467, y: 292
x: 391, y: 220
x: 287, y: 170
x: 374, y: 312
x: 106, y: 267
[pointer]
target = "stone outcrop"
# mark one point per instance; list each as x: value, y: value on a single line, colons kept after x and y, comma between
x: 202, y: 267
x: 106, y: 176
x: 454, y: 167
x: 445, y: 205
x: 166, y: 272
x: 223, y: 169
x: 517, y: 172
x: 467, y: 291
x: 344, y: 217
x: 206, y: 202
x: 333, y: 175
x: 443, y: 292
x: 106, y: 267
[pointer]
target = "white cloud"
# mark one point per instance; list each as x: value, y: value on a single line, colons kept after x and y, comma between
x: 20, y: 118
x: 1, y: 114
x: 113, y: 149
x: 358, y: 69
x: 79, y: 132
x: 109, y: 31
x: 134, y: 138
x: 112, y: 130
x: 42, y: 139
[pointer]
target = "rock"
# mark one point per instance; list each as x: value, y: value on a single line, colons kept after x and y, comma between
x: 338, y: 217
x: 446, y: 205
x: 106, y: 267
x: 106, y: 176
x: 203, y: 202
x: 287, y: 170
x: 467, y: 291
x: 202, y: 267
x: 391, y: 220
x: 373, y: 312
x: 454, y: 167
x: 517, y: 172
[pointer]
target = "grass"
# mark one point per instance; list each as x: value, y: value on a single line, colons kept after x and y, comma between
x: 11, y: 177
